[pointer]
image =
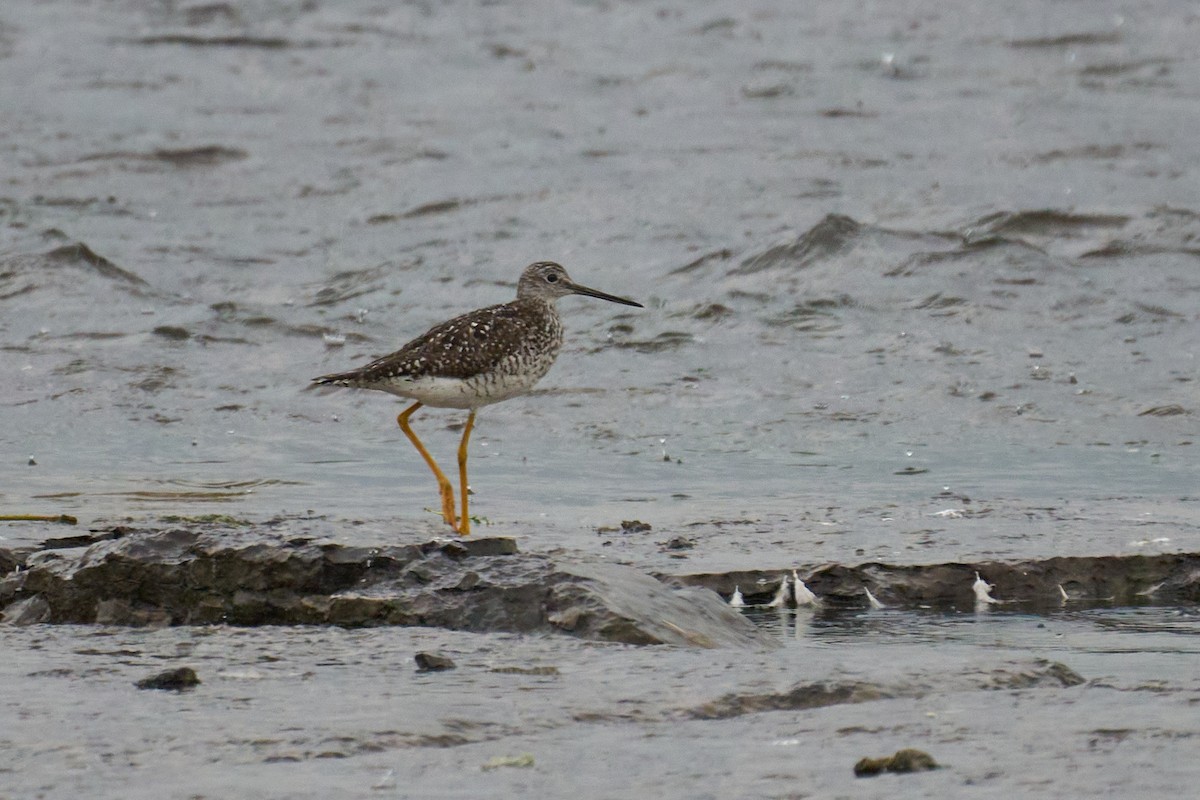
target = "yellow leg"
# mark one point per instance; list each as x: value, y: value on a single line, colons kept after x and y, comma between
x: 447, y: 491
x: 465, y: 527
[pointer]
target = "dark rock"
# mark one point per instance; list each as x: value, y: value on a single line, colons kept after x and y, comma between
x: 12, y: 588
x: 120, y: 612
x: 1027, y: 585
x: 678, y: 543
x: 434, y: 662
x: 174, y: 332
x: 616, y: 603
x: 82, y: 540
x: 30, y: 611
x: 175, y: 680
x: 200, y: 573
x: 902, y: 761
x: 634, y: 526
x: 11, y: 558
x: 464, y: 548
x: 246, y: 577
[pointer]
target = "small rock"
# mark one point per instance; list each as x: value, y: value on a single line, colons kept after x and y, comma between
x: 81, y: 540
x: 433, y: 662
x: 474, y: 548
x: 906, y: 760
x: 762, y: 92
x: 175, y: 680
x: 173, y: 332
x: 634, y: 526
x: 13, y: 559
x: 30, y: 611
x: 678, y: 543
x: 118, y: 611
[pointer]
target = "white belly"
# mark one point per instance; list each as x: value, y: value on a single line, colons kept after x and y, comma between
x: 458, y: 393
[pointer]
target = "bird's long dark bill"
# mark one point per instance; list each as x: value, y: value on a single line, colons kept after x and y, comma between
x: 612, y: 298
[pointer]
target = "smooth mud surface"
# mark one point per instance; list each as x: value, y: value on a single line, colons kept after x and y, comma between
x: 325, y: 712
x: 921, y: 288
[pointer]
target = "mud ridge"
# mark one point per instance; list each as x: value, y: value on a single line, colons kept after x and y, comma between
x: 204, y: 574
x: 209, y: 574
x: 1032, y: 586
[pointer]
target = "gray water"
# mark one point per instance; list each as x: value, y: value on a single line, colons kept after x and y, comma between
x: 920, y: 286
x: 332, y: 713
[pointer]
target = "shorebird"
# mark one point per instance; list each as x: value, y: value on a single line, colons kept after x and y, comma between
x: 474, y: 360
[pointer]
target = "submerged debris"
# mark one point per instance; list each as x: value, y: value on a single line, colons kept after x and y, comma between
x: 523, y: 760
x: 388, y: 781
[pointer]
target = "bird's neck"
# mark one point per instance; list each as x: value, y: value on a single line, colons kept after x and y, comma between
x: 544, y: 305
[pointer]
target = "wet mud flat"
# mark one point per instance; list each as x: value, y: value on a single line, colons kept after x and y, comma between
x: 921, y: 304
x: 196, y: 574
x: 882, y: 256
x: 568, y: 674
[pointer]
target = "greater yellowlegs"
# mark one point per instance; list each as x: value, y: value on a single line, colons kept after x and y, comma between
x: 471, y: 361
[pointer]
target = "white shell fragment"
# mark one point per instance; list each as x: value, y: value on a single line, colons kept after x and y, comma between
x: 781, y: 595
x: 801, y: 593
x: 737, y: 601
x: 983, y: 591
x: 873, y: 600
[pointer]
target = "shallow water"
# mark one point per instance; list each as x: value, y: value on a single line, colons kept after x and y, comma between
x: 995, y: 309
x: 920, y: 287
x: 327, y: 712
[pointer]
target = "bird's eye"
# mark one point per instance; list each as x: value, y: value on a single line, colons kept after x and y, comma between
x: 552, y: 278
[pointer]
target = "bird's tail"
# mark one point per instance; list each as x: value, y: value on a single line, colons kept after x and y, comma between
x: 334, y: 379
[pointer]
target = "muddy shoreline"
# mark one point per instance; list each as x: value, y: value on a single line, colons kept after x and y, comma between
x: 246, y: 576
